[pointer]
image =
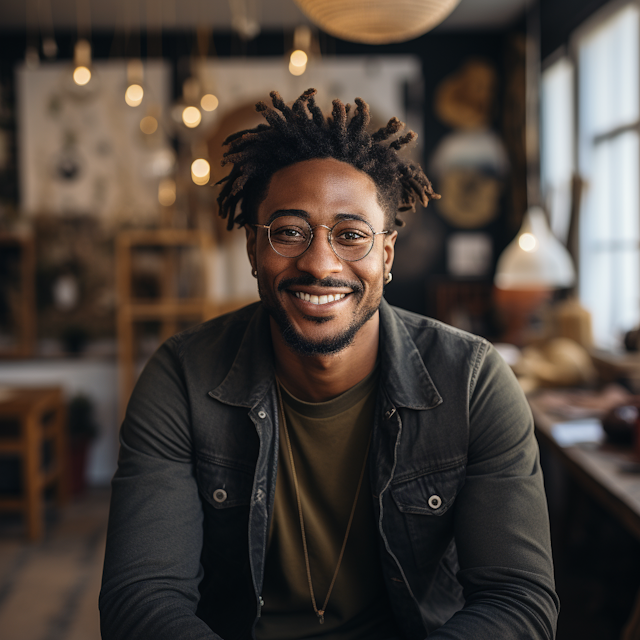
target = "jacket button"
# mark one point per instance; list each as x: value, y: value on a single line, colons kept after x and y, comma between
x: 435, y: 502
x: 262, y: 415
x: 219, y: 495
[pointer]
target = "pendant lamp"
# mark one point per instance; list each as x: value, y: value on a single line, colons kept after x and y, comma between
x: 535, y: 258
x: 377, y: 21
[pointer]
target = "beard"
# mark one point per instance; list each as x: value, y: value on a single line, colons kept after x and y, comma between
x: 327, y: 346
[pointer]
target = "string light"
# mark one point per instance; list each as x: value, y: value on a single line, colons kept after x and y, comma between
x: 200, y: 171
x: 191, y: 117
x: 167, y: 192
x: 209, y: 102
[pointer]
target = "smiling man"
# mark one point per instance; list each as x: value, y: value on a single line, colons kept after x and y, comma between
x: 320, y: 464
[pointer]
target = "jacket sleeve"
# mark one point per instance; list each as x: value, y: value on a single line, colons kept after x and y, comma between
x: 152, y: 563
x: 501, y: 521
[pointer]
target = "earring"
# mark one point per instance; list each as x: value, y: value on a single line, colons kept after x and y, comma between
x: 389, y: 278
x: 254, y: 273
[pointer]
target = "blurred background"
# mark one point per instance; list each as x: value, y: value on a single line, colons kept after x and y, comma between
x: 112, y: 116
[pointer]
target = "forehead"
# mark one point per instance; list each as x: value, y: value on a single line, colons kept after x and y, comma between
x: 323, y: 188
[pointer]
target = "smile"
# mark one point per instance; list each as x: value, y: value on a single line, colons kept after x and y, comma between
x: 319, y: 299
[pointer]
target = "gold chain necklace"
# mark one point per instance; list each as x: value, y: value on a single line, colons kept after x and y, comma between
x: 319, y: 612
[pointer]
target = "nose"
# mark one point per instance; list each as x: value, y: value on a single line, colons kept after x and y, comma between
x: 319, y: 260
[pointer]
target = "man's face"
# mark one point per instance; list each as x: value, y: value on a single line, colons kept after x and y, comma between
x: 322, y: 192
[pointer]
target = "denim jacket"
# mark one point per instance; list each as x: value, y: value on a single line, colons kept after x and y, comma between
x: 455, y: 477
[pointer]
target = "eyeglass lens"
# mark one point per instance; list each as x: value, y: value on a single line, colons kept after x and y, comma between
x: 351, y: 239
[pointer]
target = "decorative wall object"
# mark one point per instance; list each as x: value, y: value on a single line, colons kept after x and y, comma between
x: 470, y: 165
x: 82, y: 149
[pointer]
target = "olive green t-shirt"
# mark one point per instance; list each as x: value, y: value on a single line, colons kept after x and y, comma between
x: 329, y: 441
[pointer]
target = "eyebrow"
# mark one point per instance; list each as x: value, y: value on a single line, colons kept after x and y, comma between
x: 301, y: 213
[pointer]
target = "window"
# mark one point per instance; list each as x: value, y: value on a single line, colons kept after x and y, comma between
x: 608, y: 118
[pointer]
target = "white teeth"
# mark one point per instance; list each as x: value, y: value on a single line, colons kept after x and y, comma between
x: 319, y: 299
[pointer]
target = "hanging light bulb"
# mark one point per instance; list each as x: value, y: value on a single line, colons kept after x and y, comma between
x: 191, y: 117
x: 200, y: 171
x: 302, y: 41
x: 167, y: 192
x: 298, y: 62
x: 82, y: 62
x: 134, y: 93
x: 209, y: 102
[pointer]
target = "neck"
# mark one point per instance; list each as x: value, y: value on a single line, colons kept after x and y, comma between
x: 320, y: 378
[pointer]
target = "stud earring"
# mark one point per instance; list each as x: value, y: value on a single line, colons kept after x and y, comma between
x: 389, y: 278
x: 254, y: 273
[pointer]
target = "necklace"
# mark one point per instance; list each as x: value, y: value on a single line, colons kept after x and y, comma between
x: 319, y: 612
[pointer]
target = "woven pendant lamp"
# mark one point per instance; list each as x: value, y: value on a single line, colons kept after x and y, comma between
x: 377, y: 21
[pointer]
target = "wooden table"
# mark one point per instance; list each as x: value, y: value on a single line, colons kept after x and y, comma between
x: 610, y: 474
x: 29, y: 417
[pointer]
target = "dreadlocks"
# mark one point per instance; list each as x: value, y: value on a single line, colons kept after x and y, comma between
x: 301, y: 132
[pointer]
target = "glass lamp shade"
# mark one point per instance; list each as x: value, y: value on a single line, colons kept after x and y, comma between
x: 535, y: 258
x: 377, y: 21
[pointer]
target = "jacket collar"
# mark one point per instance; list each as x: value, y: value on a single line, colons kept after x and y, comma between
x: 403, y: 372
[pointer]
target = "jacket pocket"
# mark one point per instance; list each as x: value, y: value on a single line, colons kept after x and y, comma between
x: 223, y: 486
x: 426, y: 503
x: 225, y: 492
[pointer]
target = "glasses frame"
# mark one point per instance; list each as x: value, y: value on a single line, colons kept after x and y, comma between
x: 329, y: 236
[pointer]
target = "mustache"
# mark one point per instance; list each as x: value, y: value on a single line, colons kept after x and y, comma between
x: 306, y: 280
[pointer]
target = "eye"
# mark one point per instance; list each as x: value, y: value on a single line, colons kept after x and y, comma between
x: 288, y: 233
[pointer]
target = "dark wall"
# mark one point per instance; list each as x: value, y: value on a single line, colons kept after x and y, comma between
x: 558, y: 18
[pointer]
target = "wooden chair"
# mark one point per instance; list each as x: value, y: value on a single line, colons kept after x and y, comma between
x: 29, y: 418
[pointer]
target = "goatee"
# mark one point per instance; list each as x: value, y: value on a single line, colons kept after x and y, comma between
x: 327, y: 346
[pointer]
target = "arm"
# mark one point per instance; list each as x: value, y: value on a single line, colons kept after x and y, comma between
x: 152, y: 564
x: 501, y: 519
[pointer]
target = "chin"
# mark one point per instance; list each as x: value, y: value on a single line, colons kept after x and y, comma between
x: 308, y: 346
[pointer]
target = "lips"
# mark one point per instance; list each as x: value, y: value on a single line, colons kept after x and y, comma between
x: 322, y: 299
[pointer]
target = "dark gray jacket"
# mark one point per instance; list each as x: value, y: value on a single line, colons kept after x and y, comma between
x: 455, y: 477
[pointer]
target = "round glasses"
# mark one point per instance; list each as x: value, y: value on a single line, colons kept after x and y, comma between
x: 350, y: 239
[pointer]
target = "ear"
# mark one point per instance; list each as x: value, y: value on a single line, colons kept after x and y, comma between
x: 389, y: 250
x: 251, y: 245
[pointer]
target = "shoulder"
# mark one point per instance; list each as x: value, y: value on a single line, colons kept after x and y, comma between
x: 206, y: 352
x: 437, y: 338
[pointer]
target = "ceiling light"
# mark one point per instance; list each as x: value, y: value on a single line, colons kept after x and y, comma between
x: 377, y: 21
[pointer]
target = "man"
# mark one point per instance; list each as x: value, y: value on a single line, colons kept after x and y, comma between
x: 320, y: 464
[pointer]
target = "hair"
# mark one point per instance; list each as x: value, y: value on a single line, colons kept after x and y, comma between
x: 302, y: 132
